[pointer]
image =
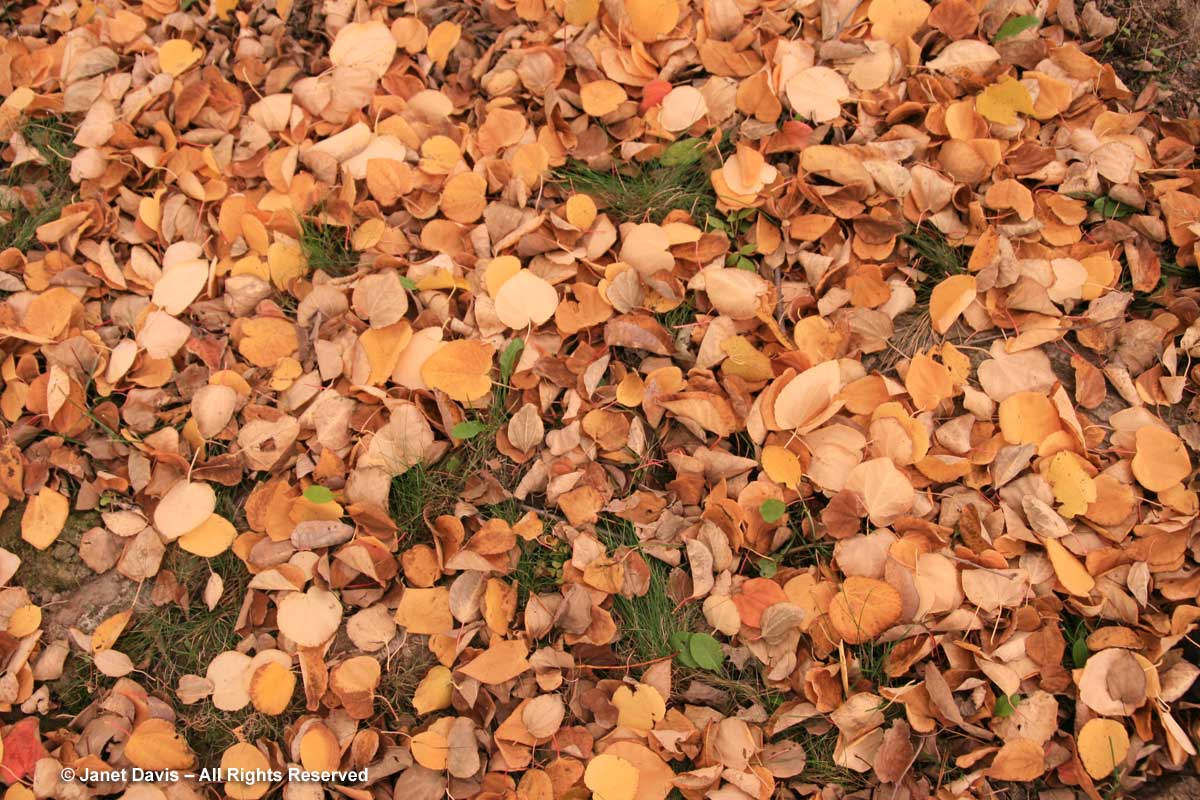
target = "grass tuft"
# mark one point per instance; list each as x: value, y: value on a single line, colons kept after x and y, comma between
x: 51, y: 182
x: 805, y: 548
x: 54, y: 139
x: 646, y: 623
x: 646, y: 192
x: 936, y: 257
x: 540, y: 568
x: 327, y: 247
x: 819, y: 765
x: 426, y: 491
x: 401, y: 675
x: 167, y: 642
x: 871, y: 660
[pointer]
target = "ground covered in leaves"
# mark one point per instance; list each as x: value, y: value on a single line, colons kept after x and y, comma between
x: 629, y: 399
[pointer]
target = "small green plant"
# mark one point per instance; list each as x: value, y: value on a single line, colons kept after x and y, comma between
x: 803, y: 549
x: 1017, y: 25
x: 540, y: 568
x: 740, y: 258
x: 318, y: 494
x: 421, y: 489
x: 53, y: 138
x: 468, y: 429
x: 231, y: 501
x: 1006, y: 704
x: 698, y: 650
x: 425, y: 491
x: 772, y: 509
x: 1110, y: 208
x: 327, y: 247
x: 508, y: 364
x: 402, y: 673
x: 1075, y: 631
x: 679, y: 316
x: 1173, y: 279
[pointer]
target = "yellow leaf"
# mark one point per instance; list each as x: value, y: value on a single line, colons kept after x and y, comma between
x: 863, y: 608
x: 1071, y: 573
x: 154, y: 744
x: 286, y: 263
x: 580, y: 12
x: 1003, y: 100
x: 1018, y: 760
x: 44, y: 517
x: 1103, y: 744
x: 950, y: 299
x: 1161, y: 460
x: 638, y: 708
x: 175, y: 56
x: 611, y: 778
x: 504, y: 660
x: 601, y: 97
x: 248, y: 760
x: 383, y: 347
x: 928, y: 382
x: 425, y: 611
x: 782, y: 465
x: 224, y: 7
x: 431, y: 747
x: 1073, y: 486
x: 442, y: 40
x: 745, y: 360
x: 265, y: 340
x: 525, y: 299
x: 581, y: 211
x: 648, y: 20
x: 108, y: 631
x: 271, y: 688
x: 368, y: 234
x: 24, y: 620
x: 210, y: 538
x: 434, y: 691
x: 319, y: 750
x: 498, y: 271
x: 460, y: 369
x: 1028, y: 418
x: 464, y: 197
x: 895, y: 21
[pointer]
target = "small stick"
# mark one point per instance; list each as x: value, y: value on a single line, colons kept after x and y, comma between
x: 626, y: 666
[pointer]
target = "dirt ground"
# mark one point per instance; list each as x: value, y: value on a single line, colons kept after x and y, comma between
x: 1156, y: 41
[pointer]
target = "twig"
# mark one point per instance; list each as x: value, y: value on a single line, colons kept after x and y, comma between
x: 626, y: 666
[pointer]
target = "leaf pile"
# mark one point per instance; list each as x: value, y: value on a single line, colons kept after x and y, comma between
x: 731, y: 398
